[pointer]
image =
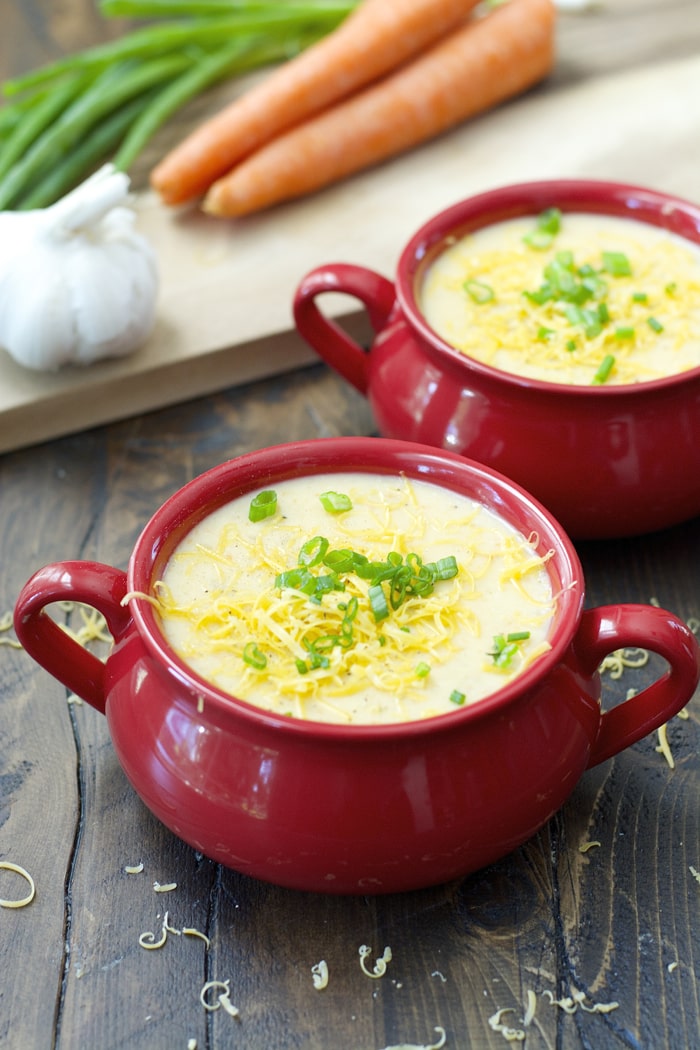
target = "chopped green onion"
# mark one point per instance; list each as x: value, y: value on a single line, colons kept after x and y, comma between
x: 617, y: 264
x: 263, y: 505
x: 253, y: 657
x: 457, y: 698
x: 479, y: 291
x: 340, y: 560
x: 654, y: 324
x: 518, y: 636
x: 571, y: 345
x: 624, y: 332
x: 422, y: 670
x: 548, y: 225
x: 640, y: 297
x: 543, y: 334
x: 335, y: 502
x: 378, y: 602
x: 606, y: 367
x: 671, y: 288
x: 313, y: 551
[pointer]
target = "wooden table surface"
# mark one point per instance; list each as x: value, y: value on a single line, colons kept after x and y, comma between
x: 618, y: 922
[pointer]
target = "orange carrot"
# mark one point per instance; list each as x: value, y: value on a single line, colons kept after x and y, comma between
x: 474, y: 68
x: 375, y: 37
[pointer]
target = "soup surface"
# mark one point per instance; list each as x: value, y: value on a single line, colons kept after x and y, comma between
x: 570, y: 298
x: 359, y: 598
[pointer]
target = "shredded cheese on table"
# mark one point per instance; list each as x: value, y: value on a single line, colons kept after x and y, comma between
x: 379, y: 968
x: 319, y: 972
x: 442, y: 1041
x: 7, y: 865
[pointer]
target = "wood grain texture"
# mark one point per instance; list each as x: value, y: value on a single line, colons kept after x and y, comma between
x: 618, y: 922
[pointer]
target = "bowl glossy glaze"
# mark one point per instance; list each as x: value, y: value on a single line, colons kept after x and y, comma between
x: 606, y: 461
x: 352, y: 809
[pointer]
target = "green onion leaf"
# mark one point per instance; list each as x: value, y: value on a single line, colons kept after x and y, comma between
x: 606, y: 367
x: 378, y: 602
x: 479, y: 291
x: 335, y: 502
x: 625, y: 332
x: 253, y: 657
x: 457, y: 698
x: 655, y: 325
x: 422, y: 670
x: 518, y: 636
x: 263, y: 505
x: 617, y: 264
x: 313, y: 551
x: 640, y: 297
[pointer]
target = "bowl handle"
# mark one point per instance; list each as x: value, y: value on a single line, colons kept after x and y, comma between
x: 89, y: 583
x: 327, y: 337
x: 610, y: 627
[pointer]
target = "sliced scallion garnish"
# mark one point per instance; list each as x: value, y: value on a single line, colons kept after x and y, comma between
x: 253, y: 657
x: 263, y: 505
x: 605, y: 368
x: 617, y: 264
x: 335, y: 502
x: 479, y: 291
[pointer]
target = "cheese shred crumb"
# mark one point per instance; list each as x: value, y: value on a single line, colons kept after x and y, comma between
x: 585, y: 846
x: 223, y: 999
x: 442, y: 1040
x: 379, y: 968
x: 6, y: 865
x: 511, y: 1035
x: 320, y: 975
x: 6, y: 623
x: 166, y: 887
x: 571, y: 1003
x: 134, y: 869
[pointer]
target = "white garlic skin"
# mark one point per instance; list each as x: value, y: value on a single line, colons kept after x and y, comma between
x: 78, y: 283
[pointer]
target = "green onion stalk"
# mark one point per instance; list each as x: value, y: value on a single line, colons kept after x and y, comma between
x: 61, y: 121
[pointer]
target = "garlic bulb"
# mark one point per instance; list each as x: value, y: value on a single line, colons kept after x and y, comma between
x: 77, y: 282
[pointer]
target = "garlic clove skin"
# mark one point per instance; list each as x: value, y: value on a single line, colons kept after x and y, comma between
x: 78, y: 283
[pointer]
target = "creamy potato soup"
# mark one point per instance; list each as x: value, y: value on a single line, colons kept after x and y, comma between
x: 570, y: 298
x: 356, y: 598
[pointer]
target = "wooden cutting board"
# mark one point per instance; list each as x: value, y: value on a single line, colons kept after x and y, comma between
x: 224, y: 313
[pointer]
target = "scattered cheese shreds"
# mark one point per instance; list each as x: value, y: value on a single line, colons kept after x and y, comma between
x: 320, y: 975
x: 166, y: 887
x: 379, y: 968
x: 442, y: 1040
x: 585, y: 846
x: 512, y: 1035
x: 664, y: 748
x: 695, y: 873
x: 22, y: 902
x: 571, y: 1003
x: 223, y: 999
x: 616, y: 662
x: 6, y: 623
x: 134, y: 869
x: 529, y: 1015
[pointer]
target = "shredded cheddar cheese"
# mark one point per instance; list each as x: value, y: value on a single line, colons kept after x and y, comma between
x: 380, y: 965
x: 442, y: 1041
x: 6, y: 623
x: 134, y: 869
x: 510, y: 1034
x: 238, y: 603
x: 559, y: 304
x: 22, y: 902
x: 223, y: 999
x: 319, y: 973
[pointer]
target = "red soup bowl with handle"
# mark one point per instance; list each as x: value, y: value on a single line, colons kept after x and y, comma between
x: 607, y: 460
x: 360, y: 808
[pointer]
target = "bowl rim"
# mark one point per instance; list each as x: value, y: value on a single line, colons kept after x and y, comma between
x: 512, y: 200
x: 258, y: 469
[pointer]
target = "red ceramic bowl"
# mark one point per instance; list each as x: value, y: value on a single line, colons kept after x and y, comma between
x: 607, y: 461
x: 353, y: 809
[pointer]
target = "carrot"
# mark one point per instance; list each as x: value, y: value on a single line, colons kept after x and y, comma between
x: 474, y: 68
x: 373, y: 39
